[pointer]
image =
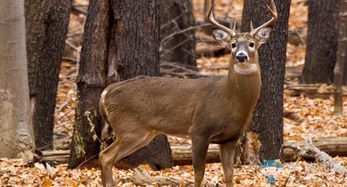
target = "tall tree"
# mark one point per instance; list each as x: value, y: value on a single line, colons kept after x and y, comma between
x: 322, y: 41
x: 16, y: 138
x: 121, y: 41
x: 46, y: 29
x: 341, y: 59
x: 177, y: 40
x: 267, y: 124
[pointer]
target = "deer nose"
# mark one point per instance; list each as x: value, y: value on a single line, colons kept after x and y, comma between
x: 241, y: 57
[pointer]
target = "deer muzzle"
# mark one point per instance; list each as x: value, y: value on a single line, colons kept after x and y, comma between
x: 242, y: 57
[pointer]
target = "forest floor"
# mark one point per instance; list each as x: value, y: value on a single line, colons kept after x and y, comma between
x: 311, y: 116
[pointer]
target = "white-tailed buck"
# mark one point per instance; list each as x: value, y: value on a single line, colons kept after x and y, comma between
x: 208, y: 110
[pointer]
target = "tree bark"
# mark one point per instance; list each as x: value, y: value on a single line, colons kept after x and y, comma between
x: 16, y: 137
x: 322, y: 41
x: 46, y: 30
x: 267, y: 123
x: 91, y: 80
x: 341, y: 60
x: 175, y: 16
x: 121, y: 41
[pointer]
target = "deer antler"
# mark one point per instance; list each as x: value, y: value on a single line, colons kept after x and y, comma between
x: 273, y: 11
x: 210, y: 18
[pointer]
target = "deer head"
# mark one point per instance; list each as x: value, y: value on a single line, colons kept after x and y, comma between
x: 243, y: 46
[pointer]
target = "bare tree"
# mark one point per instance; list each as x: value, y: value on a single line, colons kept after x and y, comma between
x: 177, y: 40
x: 16, y: 138
x: 266, y: 129
x: 121, y: 41
x: 46, y: 29
x: 322, y: 41
x: 341, y: 60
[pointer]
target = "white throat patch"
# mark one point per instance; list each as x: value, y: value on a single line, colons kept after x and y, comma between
x: 251, y: 68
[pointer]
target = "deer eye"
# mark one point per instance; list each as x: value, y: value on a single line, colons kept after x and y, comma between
x: 233, y: 45
x: 251, y: 44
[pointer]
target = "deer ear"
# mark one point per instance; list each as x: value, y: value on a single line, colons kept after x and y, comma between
x: 263, y: 35
x: 221, y: 36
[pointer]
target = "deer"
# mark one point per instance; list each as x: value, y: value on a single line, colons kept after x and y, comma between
x: 207, y: 110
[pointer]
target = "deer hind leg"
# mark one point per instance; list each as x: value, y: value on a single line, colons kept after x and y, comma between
x: 125, y: 144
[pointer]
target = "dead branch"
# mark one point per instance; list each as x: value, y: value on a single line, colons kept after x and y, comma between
x: 293, y: 116
x: 174, y: 21
x: 167, y: 51
x: 316, y: 90
x: 308, y: 150
x: 77, y: 49
x: 80, y: 9
x: 70, y: 59
x: 205, y: 37
x: 183, y: 31
x: 60, y: 107
x: 176, y: 70
x: 293, y: 72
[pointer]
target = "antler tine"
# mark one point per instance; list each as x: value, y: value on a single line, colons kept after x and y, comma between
x: 210, y: 18
x: 273, y: 11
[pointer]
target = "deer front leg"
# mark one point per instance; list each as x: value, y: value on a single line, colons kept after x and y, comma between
x: 227, y: 151
x: 199, y: 149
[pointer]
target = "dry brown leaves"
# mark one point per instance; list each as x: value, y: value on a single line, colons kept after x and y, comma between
x: 318, y: 119
x: 14, y: 173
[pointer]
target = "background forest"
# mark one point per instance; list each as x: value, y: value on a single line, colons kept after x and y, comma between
x: 68, y: 141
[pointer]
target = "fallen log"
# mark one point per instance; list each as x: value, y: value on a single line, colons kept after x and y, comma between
x: 182, y: 154
x: 61, y: 157
x: 293, y: 72
x: 336, y: 146
x: 313, y: 90
x: 308, y: 149
x: 332, y: 146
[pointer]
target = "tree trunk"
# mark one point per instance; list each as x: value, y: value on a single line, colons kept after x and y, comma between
x: 121, y: 41
x: 46, y: 29
x: 91, y: 81
x: 267, y: 124
x: 175, y: 16
x: 341, y: 60
x: 16, y: 137
x: 322, y: 41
